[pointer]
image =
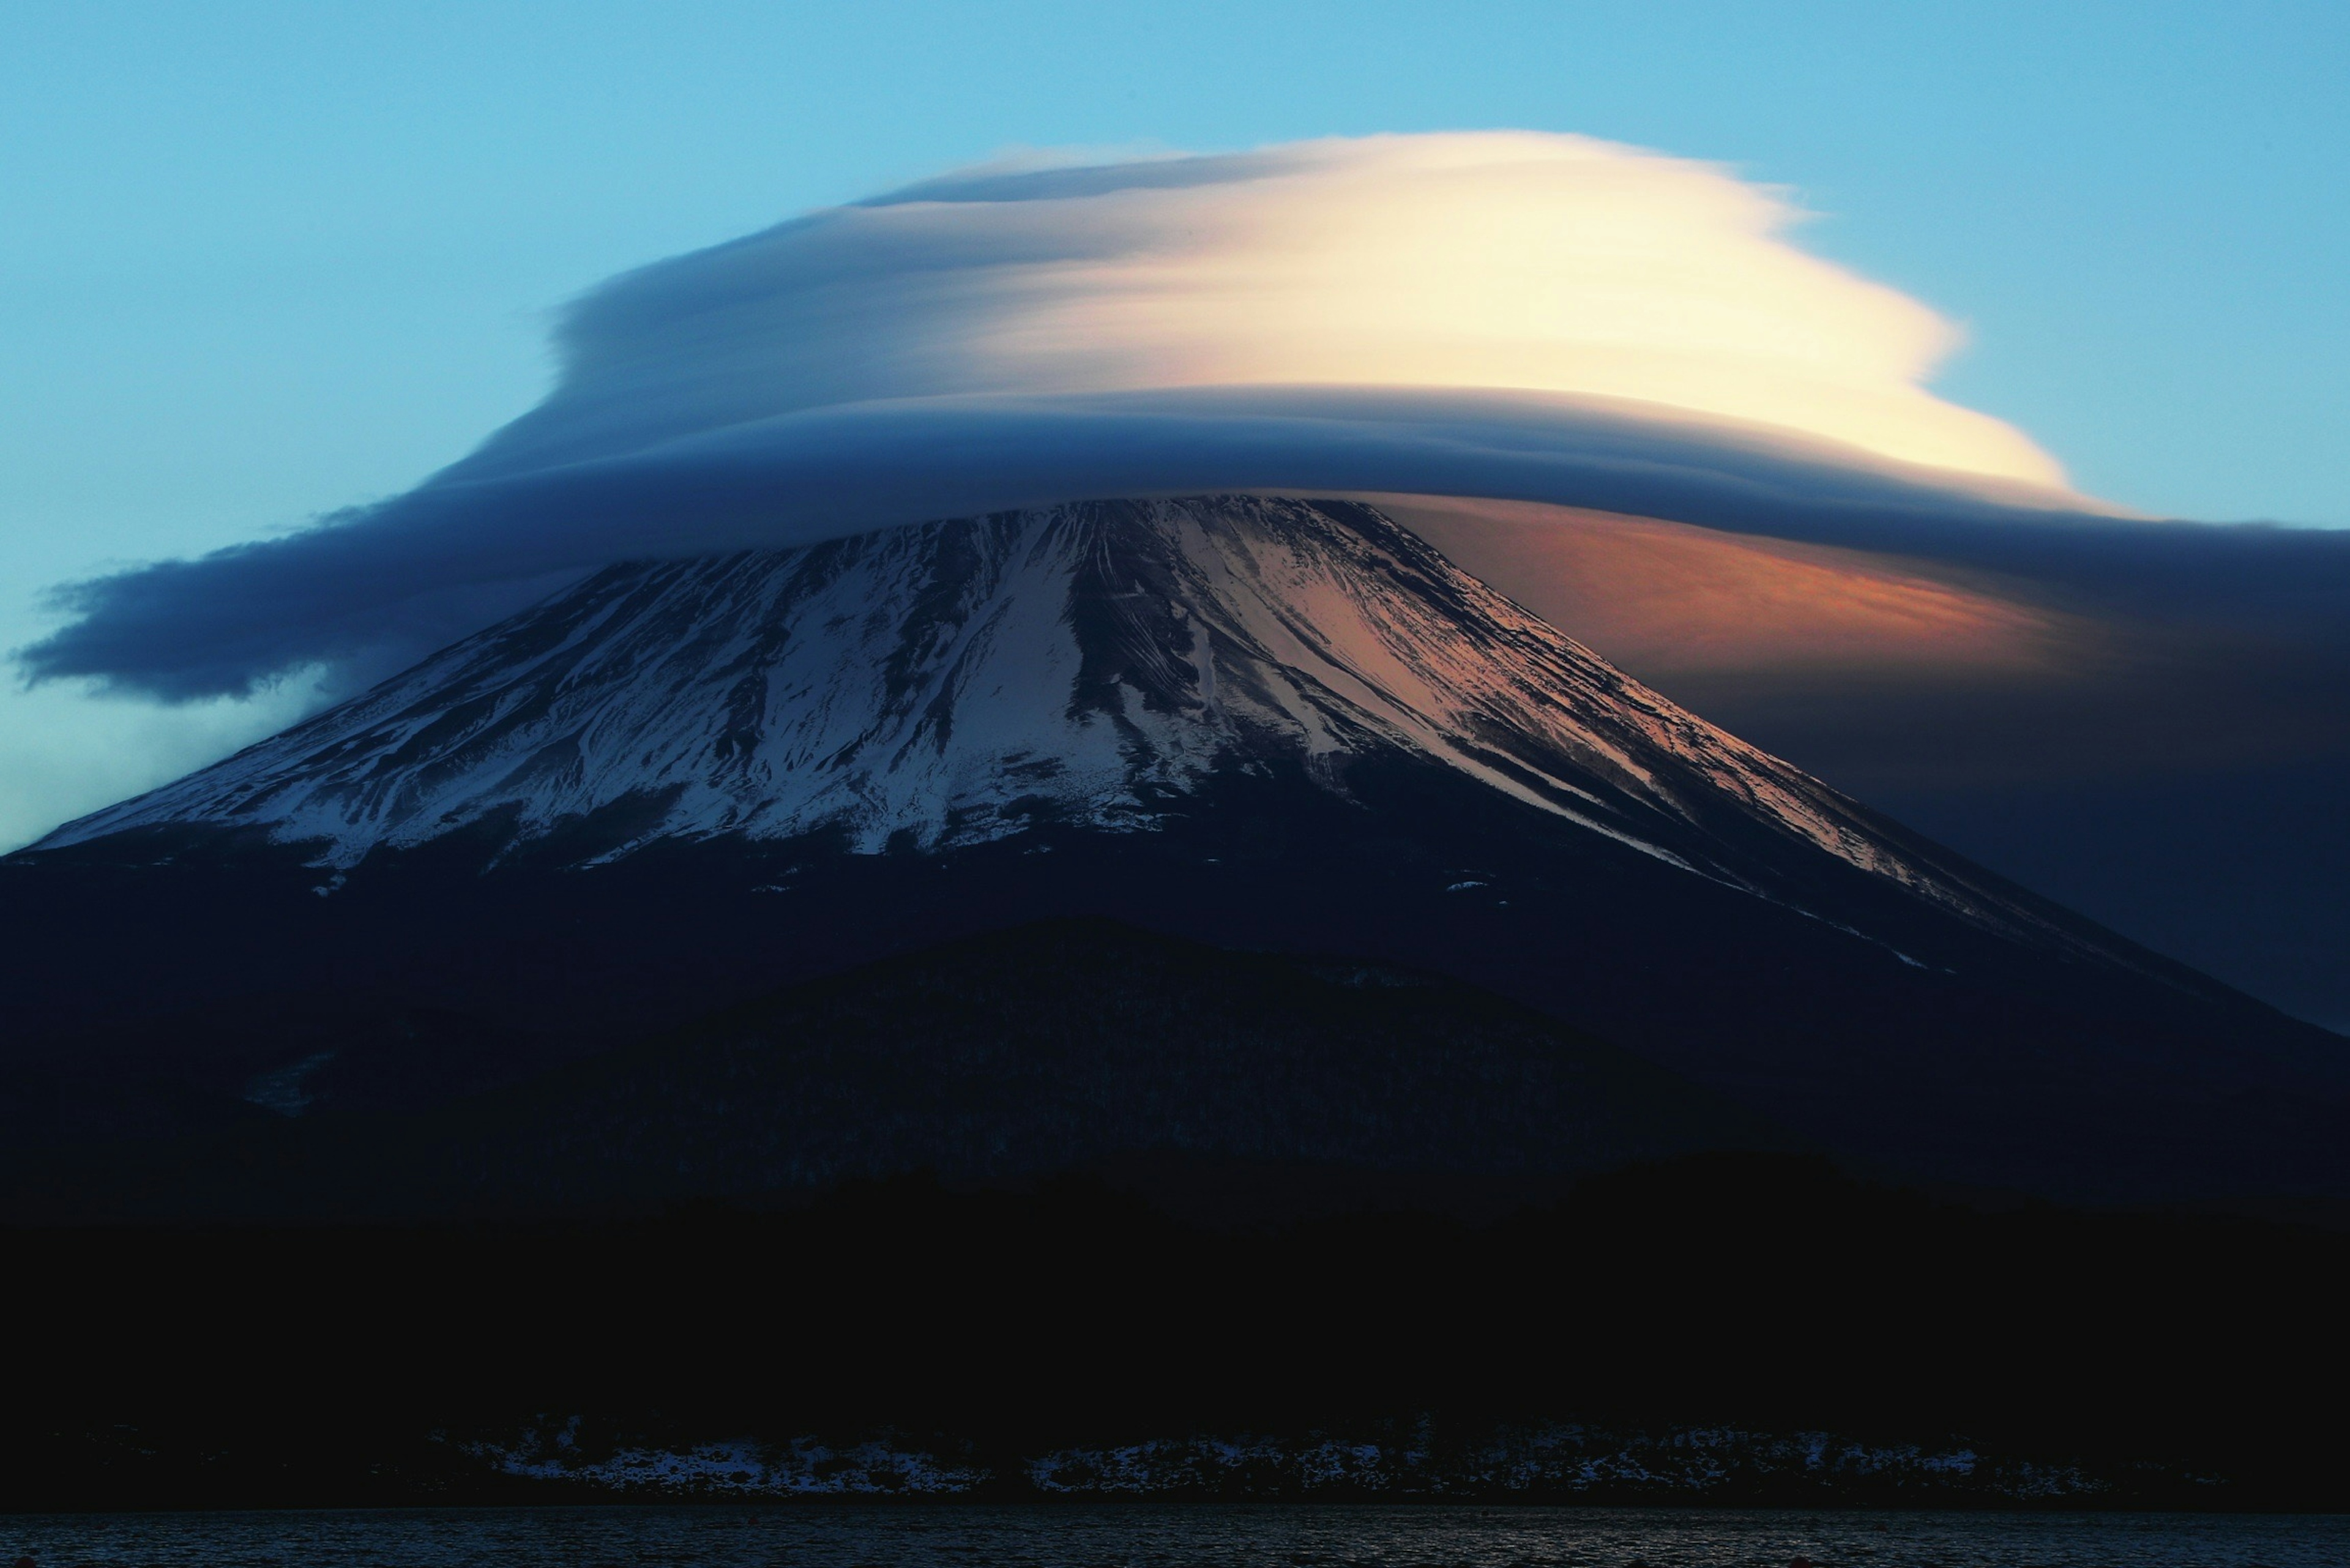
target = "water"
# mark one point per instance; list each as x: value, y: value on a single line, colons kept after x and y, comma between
x: 1146, y: 1536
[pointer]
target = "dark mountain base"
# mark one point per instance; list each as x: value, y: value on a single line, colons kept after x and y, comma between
x: 1939, y: 1050
x: 1699, y: 1317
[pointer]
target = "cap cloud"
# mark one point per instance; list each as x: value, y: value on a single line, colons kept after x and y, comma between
x: 1510, y: 316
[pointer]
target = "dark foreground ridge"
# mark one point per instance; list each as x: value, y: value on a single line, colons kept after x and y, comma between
x: 1727, y: 1328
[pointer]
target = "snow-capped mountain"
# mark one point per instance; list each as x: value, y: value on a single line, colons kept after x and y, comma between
x: 1282, y: 725
x: 957, y: 682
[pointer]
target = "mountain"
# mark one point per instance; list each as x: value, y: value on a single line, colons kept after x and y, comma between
x: 1275, y: 725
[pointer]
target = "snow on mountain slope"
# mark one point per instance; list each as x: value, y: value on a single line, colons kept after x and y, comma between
x: 958, y: 681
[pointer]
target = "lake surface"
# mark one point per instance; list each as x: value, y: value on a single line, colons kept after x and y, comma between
x: 1147, y: 1536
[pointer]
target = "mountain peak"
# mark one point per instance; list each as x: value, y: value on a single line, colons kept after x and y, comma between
x: 961, y: 681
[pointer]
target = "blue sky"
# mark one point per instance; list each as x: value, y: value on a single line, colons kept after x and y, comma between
x: 262, y: 261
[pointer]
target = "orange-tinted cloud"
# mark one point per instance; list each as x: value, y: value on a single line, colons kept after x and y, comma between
x: 1668, y: 599
x: 1885, y: 671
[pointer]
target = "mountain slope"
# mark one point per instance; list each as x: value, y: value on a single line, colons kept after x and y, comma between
x: 1247, y: 1085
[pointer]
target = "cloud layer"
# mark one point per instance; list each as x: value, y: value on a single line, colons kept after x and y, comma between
x: 1542, y: 316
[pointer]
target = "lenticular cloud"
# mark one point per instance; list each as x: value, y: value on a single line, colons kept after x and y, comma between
x: 1540, y: 317
x: 1549, y: 263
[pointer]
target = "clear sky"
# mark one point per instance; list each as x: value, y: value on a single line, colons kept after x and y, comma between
x: 260, y: 261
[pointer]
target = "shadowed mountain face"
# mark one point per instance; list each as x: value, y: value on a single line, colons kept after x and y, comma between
x: 1275, y: 725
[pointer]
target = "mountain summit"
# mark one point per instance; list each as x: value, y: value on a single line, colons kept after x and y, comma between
x: 1282, y: 724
